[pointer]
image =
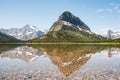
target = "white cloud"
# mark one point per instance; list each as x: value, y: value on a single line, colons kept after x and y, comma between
x: 111, y: 4
x: 109, y: 10
x: 118, y: 11
x: 114, y: 7
x: 100, y: 10
x: 104, y: 10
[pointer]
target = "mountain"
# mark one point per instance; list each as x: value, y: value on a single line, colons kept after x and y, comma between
x: 6, y: 38
x: 69, y: 28
x: 111, y: 34
x: 67, y: 19
x: 25, y: 33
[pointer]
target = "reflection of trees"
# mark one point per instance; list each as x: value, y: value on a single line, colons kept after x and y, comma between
x: 69, y: 58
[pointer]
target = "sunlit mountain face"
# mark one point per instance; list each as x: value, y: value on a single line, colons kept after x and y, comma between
x: 59, y: 62
x: 69, y: 28
x: 24, y: 33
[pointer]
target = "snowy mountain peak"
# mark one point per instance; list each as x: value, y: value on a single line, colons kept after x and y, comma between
x: 111, y: 34
x: 31, y: 27
x: 25, y: 33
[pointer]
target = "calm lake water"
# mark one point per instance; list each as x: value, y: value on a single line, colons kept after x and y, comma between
x: 59, y: 62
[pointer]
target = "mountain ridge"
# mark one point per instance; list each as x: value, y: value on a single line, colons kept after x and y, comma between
x: 110, y: 34
x: 8, y: 39
x: 25, y: 33
x: 69, y: 28
x: 67, y: 18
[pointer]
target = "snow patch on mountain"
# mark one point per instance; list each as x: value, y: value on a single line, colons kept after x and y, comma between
x: 33, y: 27
x: 25, y: 33
x: 111, y: 34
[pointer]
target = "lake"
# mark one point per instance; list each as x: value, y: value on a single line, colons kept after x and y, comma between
x: 59, y: 62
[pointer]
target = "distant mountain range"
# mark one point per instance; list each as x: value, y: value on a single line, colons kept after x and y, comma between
x: 69, y: 28
x: 25, y: 33
x: 111, y: 34
x: 6, y: 38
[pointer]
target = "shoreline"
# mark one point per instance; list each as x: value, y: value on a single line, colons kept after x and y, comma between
x: 67, y: 43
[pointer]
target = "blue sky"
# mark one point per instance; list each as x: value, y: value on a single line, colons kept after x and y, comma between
x: 99, y: 15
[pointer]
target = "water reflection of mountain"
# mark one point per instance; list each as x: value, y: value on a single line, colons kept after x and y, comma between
x: 69, y: 58
x: 24, y: 52
x: 110, y: 52
x: 5, y: 47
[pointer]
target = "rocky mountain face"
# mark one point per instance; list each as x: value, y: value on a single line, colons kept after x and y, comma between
x: 25, y: 33
x: 111, y: 34
x: 68, y: 21
x: 69, y: 28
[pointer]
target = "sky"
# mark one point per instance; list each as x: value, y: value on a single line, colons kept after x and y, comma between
x: 99, y: 15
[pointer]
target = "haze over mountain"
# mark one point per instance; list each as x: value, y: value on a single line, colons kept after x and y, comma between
x: 112, y: 34
x: 69, y: 28
x: 25, y: 33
